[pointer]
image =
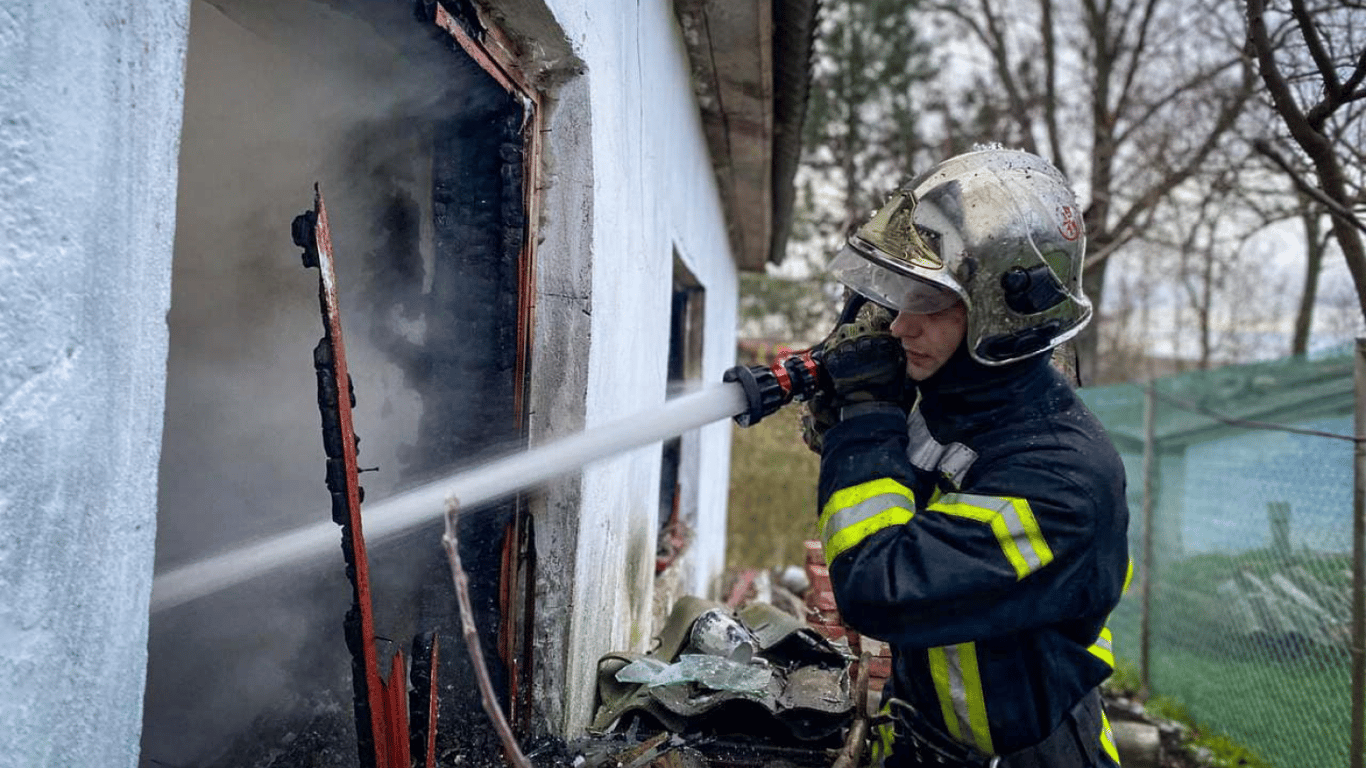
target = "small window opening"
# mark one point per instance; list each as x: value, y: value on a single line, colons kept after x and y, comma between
x: 678, y: 462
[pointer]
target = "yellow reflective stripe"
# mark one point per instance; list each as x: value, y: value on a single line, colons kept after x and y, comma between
x: 1107, y: 738
x: 853, y: 514
x: 884, y: 736
x: 1128, y: 577
x: 1013, y: 522
x: 958, y: 685
x: 943, y: 689
x: 1103, y: 648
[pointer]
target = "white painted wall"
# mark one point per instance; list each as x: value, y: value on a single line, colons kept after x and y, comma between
x: 90, y: 95
x: 653, y: 191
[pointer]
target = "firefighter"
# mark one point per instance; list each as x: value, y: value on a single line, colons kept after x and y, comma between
x: 972, y: 509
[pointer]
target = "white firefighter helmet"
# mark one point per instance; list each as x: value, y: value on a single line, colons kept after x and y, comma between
x: 999, y: 229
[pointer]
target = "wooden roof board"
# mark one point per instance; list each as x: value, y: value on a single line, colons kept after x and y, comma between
x: 730, y: 45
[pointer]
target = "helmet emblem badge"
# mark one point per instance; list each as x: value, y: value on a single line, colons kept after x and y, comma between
x: 1070, y: 226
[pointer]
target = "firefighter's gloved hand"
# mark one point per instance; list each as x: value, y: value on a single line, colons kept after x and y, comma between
x: 865, y: 364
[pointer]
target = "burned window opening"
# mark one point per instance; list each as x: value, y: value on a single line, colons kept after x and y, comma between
x: 466, y: 303
x: 394, y: 117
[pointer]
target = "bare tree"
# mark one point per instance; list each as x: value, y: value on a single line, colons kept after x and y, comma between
x: 1124, y: 351
x: 860, y: 139
x: 1315, y: 245
x: 1312, y: 59
x: 1128, y: 97
x: 861, y: 134
x: 1209, y: 287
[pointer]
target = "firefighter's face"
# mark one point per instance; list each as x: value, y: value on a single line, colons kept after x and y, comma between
x: 929, y: 340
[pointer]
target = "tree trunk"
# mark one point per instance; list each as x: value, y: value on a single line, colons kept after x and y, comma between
x: 1314, y: 247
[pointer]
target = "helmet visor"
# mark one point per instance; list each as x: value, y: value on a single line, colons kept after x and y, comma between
x: 893, y: 290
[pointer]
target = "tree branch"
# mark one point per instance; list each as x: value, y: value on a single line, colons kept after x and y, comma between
x: 1050, y: 94
x: 1355, y: 79
x: 1203, y: 77
x: 1000, y: 54
x: 511, y: 751
x: 1335, y: 208
x: 1126, y: 90
x: 1228, y: 115
x: 1281, y: 96
x: 1107, y: 251
x: 1317, y: 51
x: 1316, y: 145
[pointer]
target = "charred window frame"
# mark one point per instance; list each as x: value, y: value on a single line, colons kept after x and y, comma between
x: 505, y: 145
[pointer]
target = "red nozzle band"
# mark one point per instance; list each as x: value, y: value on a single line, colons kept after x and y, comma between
x: 780, y: 373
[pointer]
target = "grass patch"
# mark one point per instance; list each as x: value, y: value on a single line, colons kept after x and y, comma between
x: 772, y: 493
x: 1227, y: 753
x: 1258, y: 711
x: 1205, y: 744
x: 1124, y: 680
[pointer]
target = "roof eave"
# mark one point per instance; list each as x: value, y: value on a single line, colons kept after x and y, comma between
x: 751, y: 69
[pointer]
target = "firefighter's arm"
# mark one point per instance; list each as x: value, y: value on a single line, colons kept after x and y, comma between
x: 967, y: 566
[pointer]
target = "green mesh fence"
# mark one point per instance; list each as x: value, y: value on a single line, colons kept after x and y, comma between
x: 1250, y: 611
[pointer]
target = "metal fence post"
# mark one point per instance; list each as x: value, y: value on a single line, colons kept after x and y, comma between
x: 1359, y: 561
x: 1149, y: 470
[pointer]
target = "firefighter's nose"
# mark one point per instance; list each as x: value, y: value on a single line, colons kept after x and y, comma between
x: 907, y: 325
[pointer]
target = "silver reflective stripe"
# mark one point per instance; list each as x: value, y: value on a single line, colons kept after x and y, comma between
x: 1104, y: 642
x: 928, y: 454
x: 923, y: 450
x: 958, y: 690
x: 1009, y: 516
x: 957, y: 460
x: 868, y: 508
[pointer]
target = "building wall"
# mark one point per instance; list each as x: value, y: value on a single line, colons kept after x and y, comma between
x: 653, y: 194
x: 90, y: 96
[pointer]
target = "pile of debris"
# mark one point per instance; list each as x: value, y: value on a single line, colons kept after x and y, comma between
x: 806, y: 592
x: 752, y: 686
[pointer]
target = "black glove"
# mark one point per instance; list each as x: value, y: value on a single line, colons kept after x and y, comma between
x: 864, y: 363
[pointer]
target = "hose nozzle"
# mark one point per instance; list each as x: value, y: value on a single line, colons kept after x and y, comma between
x: 794, y: 376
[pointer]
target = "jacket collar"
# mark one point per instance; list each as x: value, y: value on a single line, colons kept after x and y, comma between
x: 964, y: 394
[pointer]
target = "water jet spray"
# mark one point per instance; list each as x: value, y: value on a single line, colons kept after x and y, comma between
x: 426, y: 503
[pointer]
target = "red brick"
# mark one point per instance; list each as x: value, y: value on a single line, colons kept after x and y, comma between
x: 878, y: 648
x: 826, y: 618
x: 820, y: 578
x: 880, y: 668
x: 824, y: 601
x: 834, y: 631
x: 815, y: 552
